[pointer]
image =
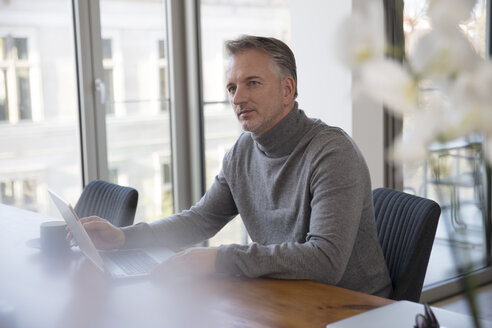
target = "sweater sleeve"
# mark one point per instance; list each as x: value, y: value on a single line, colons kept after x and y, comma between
x: 339, y: 183
x: 200, y: 222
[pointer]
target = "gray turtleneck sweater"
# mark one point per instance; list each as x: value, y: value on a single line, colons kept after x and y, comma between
x: 304, y: 194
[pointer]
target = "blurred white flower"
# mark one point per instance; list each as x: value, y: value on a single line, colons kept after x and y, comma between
x: 442, y: 55
x: 361, y: 36
x: 413, y: 146
x: 472, y: 96
x: 448, y: 13
x: 444, y: 86
x: 388, y: 82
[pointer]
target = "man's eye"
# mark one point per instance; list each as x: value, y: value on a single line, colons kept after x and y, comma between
x: 253, y: 83
x: 231, y: 89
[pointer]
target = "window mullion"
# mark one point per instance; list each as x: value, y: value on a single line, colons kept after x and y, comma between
x: 89, y: 69
x: 186, y: 122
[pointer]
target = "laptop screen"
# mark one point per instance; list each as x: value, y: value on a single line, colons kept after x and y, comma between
x: 80, y: 235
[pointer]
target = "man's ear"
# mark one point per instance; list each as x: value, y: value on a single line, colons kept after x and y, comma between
x: 288, y: 89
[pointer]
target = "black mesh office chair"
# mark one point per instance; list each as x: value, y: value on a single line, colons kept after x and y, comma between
x: 113, y: 202
x: 406, y: 227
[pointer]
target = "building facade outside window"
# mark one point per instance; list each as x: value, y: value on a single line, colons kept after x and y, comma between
x: 21, y: 193
x: 15, y: 82
x: 138, y: 134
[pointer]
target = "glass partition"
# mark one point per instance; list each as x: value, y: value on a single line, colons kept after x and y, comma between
x: 454, y: 176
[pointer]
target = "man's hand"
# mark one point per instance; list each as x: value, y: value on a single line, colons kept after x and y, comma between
x: 192, y: 261
x: 104, y: 235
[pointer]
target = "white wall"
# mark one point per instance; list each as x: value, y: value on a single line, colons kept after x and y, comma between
x: 324, y: 85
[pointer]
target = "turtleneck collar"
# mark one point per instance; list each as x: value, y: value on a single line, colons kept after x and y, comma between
x: 283, y: 137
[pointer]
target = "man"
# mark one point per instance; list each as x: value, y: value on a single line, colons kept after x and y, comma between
x: 302, y: 188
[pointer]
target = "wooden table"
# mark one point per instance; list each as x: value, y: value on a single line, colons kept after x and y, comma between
x: 43, y: 290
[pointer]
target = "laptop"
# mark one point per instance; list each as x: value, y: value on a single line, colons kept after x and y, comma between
x: 125, y: 263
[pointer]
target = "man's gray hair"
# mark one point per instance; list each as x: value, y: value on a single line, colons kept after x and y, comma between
x: 280, y: 53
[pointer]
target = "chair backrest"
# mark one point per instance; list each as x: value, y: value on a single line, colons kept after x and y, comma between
x: 406, y: 227
x: 113, y: 202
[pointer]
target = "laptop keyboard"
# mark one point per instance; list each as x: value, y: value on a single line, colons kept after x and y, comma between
x: 132, y: 261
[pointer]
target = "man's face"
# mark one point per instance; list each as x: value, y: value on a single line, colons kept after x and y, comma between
x: 259, y: 97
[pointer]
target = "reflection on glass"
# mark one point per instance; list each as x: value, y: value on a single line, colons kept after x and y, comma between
x: 138, y: 127
x: 457, y: 183
x: 223, y: 20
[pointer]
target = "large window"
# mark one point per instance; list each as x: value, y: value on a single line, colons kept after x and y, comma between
x: 221, y: 21
x: 123, y: 73
x: 39, y: 118
x: 103, y: 104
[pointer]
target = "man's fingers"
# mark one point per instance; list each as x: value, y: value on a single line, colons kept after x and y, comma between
x: 84, y: 221
x: 103, y: 234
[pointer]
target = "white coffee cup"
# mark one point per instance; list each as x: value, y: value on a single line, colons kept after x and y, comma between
x: 53, y: 236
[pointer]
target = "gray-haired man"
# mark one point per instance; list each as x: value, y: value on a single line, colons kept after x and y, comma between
x: 302, y: 189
